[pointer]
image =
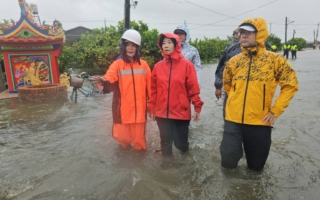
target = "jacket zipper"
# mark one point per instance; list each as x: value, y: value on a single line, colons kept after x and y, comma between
x: 169, y: 87
x: 135, y: 97
x: 245, y: 94
x: 264, y: 96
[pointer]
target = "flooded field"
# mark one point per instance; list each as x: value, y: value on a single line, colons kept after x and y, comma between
x: 62, y: 150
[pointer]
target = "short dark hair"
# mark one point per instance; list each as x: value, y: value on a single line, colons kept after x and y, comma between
x: 174, y: 41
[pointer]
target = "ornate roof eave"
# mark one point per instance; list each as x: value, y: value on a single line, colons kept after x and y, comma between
x: 26, y: 31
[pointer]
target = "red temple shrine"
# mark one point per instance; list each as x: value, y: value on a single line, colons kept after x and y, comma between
x: 30, y: 50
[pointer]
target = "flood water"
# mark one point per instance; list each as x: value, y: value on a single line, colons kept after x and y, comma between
x: 62, y: 150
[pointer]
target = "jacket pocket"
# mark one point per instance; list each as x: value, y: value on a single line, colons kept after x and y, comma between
x: 184, y: 102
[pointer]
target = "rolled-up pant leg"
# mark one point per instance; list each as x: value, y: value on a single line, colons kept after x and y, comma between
x: 180, y: 134
x: 231, y: 145
x: 257, y: 142
x: 166, y: 135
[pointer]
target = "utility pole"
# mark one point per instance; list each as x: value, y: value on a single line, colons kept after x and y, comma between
x: 126, y: 14
x: 270, y: 28
x: 317, y: 32
x: 286, y: 27
x: 285, y: 34
x: 294, y: 32
x: 105, y: 25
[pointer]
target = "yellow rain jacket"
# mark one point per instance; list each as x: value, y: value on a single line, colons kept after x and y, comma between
x: 251, y: 78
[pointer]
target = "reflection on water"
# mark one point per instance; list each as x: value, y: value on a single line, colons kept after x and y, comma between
x: 63, y: 150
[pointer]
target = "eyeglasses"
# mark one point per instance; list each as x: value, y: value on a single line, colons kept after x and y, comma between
x: 246, y: 33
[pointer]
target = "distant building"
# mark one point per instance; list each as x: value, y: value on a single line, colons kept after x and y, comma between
x: 74, y: 35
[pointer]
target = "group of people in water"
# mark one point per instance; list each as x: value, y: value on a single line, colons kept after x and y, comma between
x: 249, y: 79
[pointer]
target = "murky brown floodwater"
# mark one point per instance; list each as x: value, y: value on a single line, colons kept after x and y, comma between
x: 63, y: 150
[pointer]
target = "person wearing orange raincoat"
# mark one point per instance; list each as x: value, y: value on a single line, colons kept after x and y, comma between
x: 129, y: 78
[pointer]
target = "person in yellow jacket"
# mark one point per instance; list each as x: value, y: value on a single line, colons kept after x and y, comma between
x: 294, y: 49
x: 250, y: 79
x: 129, y: 78
x: 274, y: 48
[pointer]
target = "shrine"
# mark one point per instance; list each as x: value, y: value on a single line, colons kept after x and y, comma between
x: 30, y: 49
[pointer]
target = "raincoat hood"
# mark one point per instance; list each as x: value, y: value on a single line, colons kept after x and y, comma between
x: 186, y: 30
x: 260, y: 25
x: 176, y: 54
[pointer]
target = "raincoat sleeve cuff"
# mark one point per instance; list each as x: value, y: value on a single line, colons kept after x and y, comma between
x: 197, y: 109
x: 276, y: 112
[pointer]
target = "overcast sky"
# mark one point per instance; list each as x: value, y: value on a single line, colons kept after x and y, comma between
x: 205, y: 18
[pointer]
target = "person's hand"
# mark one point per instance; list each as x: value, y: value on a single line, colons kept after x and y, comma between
x: 196, y: 117
x: 218, y: 93
x: 269, y: 118
x: 152, y: 116
x: 97, y: 79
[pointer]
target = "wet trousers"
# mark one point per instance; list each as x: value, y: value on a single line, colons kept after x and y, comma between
x: 286, y: 53
x: 254, y: 140
x: 173, y: 131
x: 127, y: 134
x: 293, y: 54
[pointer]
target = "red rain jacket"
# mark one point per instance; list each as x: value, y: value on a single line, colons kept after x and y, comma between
x: 174, y: 85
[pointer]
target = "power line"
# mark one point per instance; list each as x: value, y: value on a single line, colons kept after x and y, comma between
x: 209, y: 9
x: 237, y: 15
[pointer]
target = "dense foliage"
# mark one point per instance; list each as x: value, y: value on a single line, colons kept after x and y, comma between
x: 275, y: 40
x: 300, y: 42
x: 101, y: 47
x: 209, y: 49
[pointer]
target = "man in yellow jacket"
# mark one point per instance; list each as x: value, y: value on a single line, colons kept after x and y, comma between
x: 294, y: 49
x: 250, y: 80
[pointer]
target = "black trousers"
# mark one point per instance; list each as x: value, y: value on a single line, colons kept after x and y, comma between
x: 255, y: 140
x: 173, y: 131
x: 286, y: 53
x: 294, y: 54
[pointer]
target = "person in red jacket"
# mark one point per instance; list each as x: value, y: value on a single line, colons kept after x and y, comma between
x: 129, y: 78
x: 174, y: 85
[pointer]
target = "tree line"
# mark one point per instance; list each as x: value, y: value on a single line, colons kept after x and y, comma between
x: 99, y: 48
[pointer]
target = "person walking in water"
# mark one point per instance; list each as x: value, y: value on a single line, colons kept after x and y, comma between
x: 294, y: 49
x: 129, y: 78
x: 174, y: 85
x: 250, y: 80
x: 188, y: 51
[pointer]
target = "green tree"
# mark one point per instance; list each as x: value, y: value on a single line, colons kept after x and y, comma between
x: 209, y: 49
x: 101, y: 47
x: 97, y: 49
x: 275, y: 40
x: 300, y: 42
x: 66, y: 58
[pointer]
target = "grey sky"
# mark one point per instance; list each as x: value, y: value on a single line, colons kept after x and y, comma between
x: 165, y: 15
